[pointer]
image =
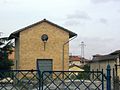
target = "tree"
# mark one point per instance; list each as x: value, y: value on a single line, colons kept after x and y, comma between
x: 85, y: 74
x: 6, y: 48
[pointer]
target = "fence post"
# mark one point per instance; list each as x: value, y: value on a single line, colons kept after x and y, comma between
x: 102, y: 80
x: 108, y: 77
x: 39, y: 75
x: 116, y: 83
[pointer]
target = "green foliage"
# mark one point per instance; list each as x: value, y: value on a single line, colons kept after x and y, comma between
x: 86, y: 67
x: 6, y: 64
x: 85, y: 74
x: 5, y: 74
x: 5, y: 49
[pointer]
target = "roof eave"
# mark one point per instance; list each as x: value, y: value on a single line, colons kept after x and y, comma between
x: 16, y: 33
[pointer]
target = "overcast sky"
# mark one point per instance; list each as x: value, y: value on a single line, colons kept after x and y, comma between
x: 97, y: 22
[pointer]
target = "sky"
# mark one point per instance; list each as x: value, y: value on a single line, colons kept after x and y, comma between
x: 97, y: 22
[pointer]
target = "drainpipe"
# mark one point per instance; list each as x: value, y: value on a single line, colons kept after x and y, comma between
x: 63, y: 51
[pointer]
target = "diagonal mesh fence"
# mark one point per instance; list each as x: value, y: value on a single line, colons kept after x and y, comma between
x: 51, y: 80
x: 19, y: 80
x: 72, y: 80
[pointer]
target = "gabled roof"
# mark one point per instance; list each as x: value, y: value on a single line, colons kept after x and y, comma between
x: 104, y: 58
x: 75, y: 58
x: 78, y: 68
x: 74, y: 65
x: 16, y: 33
x: 115, y: 52
x: 112, y: 56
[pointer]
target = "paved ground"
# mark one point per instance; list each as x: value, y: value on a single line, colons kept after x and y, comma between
x: 49, y: 86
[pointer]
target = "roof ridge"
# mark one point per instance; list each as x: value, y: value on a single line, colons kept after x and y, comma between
x: 16, y: 33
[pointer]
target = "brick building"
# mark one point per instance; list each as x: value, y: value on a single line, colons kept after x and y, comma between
x: 41, y: 44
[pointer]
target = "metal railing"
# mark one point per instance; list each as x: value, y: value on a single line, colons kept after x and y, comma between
x: 116, y: 77
x: 54, y: 80
x: 72, y: 80
x: 19, y: 80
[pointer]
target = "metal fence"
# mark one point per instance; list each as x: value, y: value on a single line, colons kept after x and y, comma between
x: 54, y: 80
x: 19, y: 80
x: 116, y: 77
x: 72, y: 80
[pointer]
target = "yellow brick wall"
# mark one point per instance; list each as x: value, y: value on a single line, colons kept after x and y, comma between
x: 31, y: 46
x: 103, y: 65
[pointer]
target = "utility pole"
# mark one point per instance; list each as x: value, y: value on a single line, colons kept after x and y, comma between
x: 82, y: 51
